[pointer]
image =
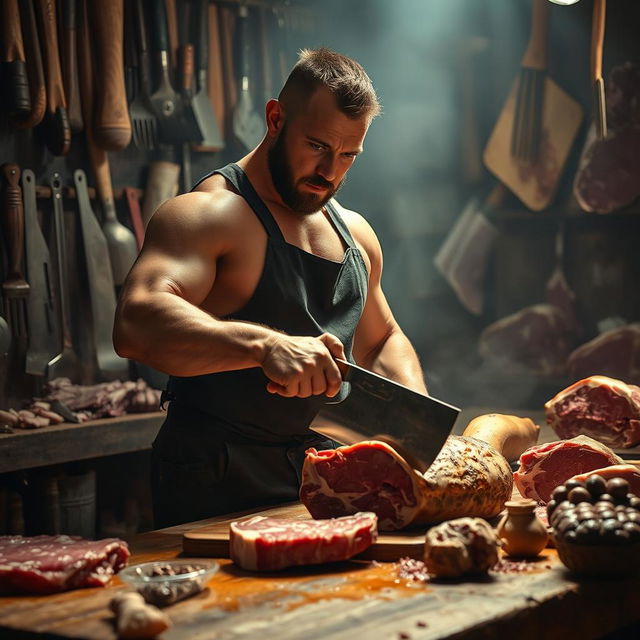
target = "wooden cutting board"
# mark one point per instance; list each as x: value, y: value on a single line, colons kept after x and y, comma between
x: 213, y: 539
x: 535, y: 185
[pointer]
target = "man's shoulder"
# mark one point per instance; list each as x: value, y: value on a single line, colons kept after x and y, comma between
x: 360, y: 229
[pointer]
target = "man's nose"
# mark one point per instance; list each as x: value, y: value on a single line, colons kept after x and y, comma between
x: 328, y: 167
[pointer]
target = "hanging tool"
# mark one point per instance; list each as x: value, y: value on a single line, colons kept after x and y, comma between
x: 121, y: 243
x: 111, y: 124
x: 35, y: 69
x: 143, y: 119
x: 69, y: 63
x: 101, y: 286
x: 44, y: 324
x: 14, y: 67
x: 202, y: 106
x: 248, y: 126
x: 55, y: 124
x: 66, y: 364
x: 15, y: 289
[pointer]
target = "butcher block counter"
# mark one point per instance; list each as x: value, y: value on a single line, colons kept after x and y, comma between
x: 368, y: 598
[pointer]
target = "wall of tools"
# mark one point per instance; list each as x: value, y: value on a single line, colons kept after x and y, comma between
x: 107, y: 108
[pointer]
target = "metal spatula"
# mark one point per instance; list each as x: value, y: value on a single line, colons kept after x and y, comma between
x: 248, y: 126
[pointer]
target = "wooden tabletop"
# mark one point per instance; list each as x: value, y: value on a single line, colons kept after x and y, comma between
x: 335, y: 601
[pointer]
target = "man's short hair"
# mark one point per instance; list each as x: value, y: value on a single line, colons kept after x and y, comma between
x: 344, y: 77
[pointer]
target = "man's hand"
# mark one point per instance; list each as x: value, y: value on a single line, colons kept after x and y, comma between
x: 299, y: 367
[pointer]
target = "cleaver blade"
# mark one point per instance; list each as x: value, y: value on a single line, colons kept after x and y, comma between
x: 371, y: 407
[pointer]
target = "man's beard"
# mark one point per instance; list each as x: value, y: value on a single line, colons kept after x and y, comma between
x: 283, y: 181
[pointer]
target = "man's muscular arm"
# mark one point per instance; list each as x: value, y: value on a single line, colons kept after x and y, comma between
x: 379, y: 343
x: 159, y: 321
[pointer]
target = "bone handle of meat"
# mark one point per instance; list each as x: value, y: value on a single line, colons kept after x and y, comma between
x: 509, y: 435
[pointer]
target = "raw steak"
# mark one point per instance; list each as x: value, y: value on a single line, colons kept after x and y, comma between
x: 606, y: 409
x: 627, y: 471
x: 269, y: 544
x: 470, y: 477
x: 48, y: 564
x: 537, y: 338
x: 614, y: 353
x: 544, y: 467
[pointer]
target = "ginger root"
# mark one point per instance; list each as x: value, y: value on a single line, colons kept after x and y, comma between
x: 137, y: 619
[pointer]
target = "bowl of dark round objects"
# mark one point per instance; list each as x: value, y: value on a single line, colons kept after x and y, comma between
x: 596, y: 526
x: 163, y: 583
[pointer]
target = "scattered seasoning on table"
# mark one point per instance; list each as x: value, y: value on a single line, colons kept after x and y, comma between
x: 515, y: 566
x: 421, y: 623
x: 415, y: 570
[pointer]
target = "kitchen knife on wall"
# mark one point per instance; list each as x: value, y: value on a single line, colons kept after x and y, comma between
x: 371, y: 407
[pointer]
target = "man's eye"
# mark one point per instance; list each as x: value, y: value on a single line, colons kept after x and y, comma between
x: 315, y: 146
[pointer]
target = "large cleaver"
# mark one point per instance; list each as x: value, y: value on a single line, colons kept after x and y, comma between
x: 371, y: 407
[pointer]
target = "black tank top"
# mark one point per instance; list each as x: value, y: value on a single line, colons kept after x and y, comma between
x: 299, y: 293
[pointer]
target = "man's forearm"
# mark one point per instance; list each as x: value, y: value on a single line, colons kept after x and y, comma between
x: 396, y: 359
x: 169, y: 334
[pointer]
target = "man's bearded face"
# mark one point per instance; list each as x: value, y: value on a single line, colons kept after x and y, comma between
x: 291, y: 189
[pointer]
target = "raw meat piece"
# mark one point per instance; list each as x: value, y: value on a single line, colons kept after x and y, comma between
x: 466, y: 546
x: 629, y: 472
x: 537, y: 338
x: 470, y: 477
x: 614, y: 353
x: 544, y: 467
x: 48, y: 564
x: 623, y: 95
x: 606, y: 409
x: 269, y: 544
x: 608, y: 177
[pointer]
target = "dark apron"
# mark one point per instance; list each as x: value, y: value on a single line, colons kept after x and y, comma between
x: 228, y: 444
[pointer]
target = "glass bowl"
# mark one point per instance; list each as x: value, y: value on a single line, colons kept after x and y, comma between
x: 163, y: 583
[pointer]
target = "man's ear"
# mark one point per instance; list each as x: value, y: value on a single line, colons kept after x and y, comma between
x: 275, y: 117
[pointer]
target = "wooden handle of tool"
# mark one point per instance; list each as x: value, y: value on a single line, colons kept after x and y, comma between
x: 186, y: 68
x: 215, y: 79
x: 49, y: 40
x: 172, y: 32
x: 509, y: 435
x: 13, y: 219
x: 12, y: 46
x: 133, y: 205
x: 597, y: 38
x: 35, y: 70
x: 535, y: 56
x: 111, y: 125
x: 97, y: 154
x: 69, y: 64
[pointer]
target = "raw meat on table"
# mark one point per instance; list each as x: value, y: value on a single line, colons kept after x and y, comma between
x: 470, y: 477
x: 48, y: 564
x: 269, y: 544
x: 603, y: 408
x: 546, y: 466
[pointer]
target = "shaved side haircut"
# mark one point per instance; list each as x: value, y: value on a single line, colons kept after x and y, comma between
x: 345, y: 78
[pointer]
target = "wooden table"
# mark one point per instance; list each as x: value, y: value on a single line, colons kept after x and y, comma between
x: 339, y: 601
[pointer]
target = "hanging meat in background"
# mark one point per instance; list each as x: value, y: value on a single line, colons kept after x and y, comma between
x: 609, y: 174
x: 546, y: 466
x: 537, y: 339
x: 614, y: 353
x: 600, y: 407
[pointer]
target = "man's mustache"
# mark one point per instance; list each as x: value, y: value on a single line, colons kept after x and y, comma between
x: 319, y: 182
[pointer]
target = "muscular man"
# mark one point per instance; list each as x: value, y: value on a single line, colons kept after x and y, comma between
x: 246, y: 290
